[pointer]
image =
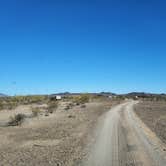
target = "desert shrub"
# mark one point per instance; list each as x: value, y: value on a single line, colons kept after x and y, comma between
x: 8, y: 104
x: 28, y: 99
x: 82, y: 99
x: 16, y: 120
x: 46, y: 113
x: 71, y: 116
x: 52, y: 106
x: 11, y: 105
x: 1, y: 106
x: 69, y: 106
x: 36, y: 99
x: 35, y: 112
x: 83, y: 106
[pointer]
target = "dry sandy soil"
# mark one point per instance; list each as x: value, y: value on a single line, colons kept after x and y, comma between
x: 56, y: 140
x: 153, y: 114
x: 103, y: 133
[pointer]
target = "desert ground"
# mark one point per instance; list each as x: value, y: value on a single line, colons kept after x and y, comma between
x: 153, y: 114
x: 96, y: 133
x: 55, y: 139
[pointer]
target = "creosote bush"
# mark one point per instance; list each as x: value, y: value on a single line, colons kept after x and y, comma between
x: 16, y: 120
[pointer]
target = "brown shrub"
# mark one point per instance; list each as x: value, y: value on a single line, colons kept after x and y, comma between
x: 52, y: 106
x: 16, y: 120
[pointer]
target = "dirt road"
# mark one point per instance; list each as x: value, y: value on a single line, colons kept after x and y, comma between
x: 124, y: 140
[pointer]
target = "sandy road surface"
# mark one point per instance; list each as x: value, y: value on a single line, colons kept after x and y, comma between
x: 124, y: 140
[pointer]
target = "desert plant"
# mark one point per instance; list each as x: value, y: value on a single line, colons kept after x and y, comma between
x: 71, y: 116
x: 16, y: 120
x: 28, y: 99
x: 1, y: 106
x: 11, y: 105
x: 82, y: 99
x: 83, y: 106
x: 69, y: 106
x: 52, y: 106
x: 35, y: 111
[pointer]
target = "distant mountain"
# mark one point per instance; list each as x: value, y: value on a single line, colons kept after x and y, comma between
x: 75, y: 94
x: 2, y: 95
x: 143, y: 94
x: 65, y: 94
x: 132, y: 94
x: 108, y: 94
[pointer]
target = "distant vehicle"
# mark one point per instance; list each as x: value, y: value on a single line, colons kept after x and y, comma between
x: 58, y: 97
x: 55, y: 97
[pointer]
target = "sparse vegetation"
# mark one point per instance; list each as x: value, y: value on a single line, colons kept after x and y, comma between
x: 35, y: 111
x: 160, y: 128
x: 12, y: 102
x: 8, y: 104
x: 1, y: 106
x: 29, y: 99
x: 153, y: 114
x: 83, y: 106
x: 52, y: 106
x: 71, y: 116
x: 16, y: 120
x: 67, y: 108
x: 82, y: 99
x: 46, y: 131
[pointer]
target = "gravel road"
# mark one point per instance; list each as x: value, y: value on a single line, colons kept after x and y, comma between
x: 124, y: 140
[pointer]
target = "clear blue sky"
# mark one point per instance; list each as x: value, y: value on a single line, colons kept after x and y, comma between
x: 49, y: 46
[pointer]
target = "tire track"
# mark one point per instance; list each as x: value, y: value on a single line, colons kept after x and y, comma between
x: 119, y: 143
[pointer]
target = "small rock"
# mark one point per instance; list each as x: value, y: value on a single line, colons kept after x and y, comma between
x: 83, y: 106
x: 47, y: 114
x: 71, y: 116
